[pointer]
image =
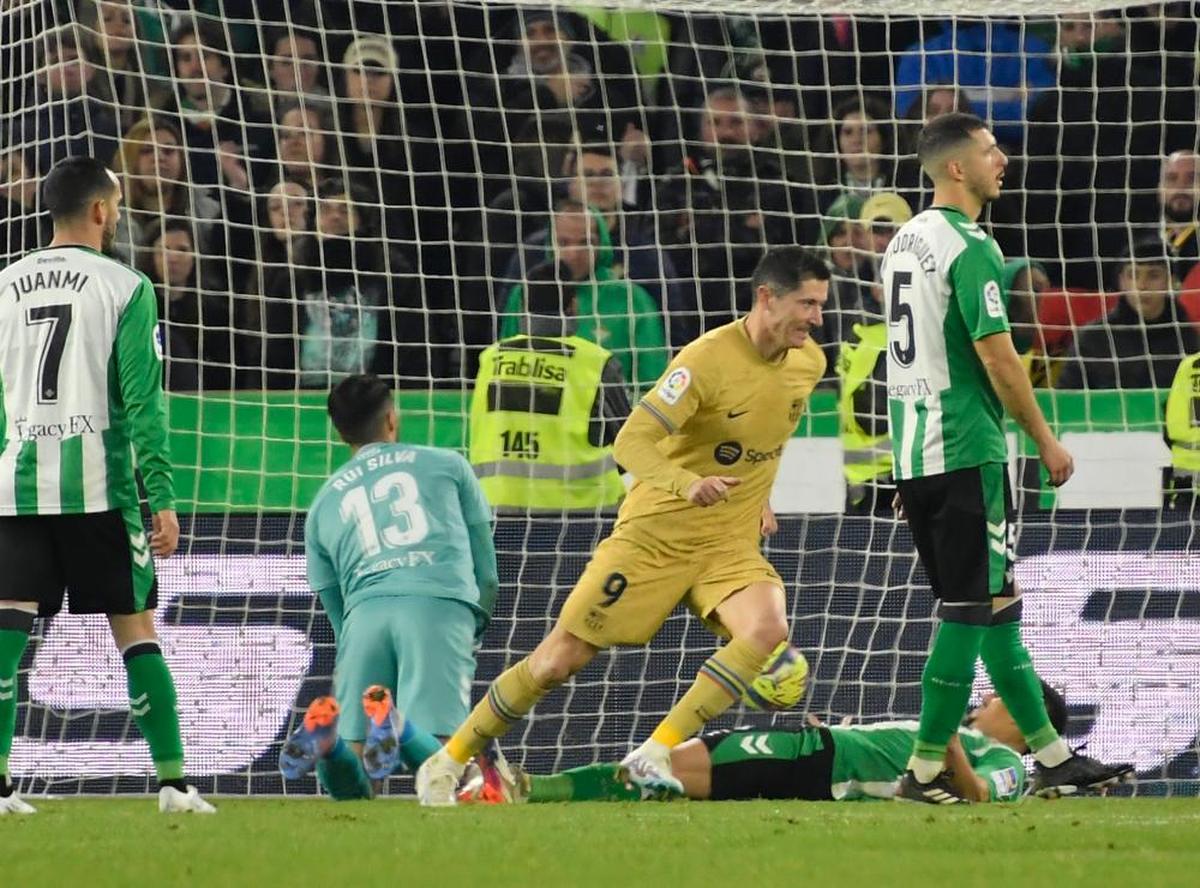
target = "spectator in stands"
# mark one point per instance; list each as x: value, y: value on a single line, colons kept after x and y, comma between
x: 542, y: 154
x: 21, y: 230
x: 1024, y: 282
x: 597, y: 183
x: 1000, y: 65
x: 777, y: 123
x: 396, y: 162
x: 306, y: 148
x: 1093, y: 126
x: 614, y: 313
x: 838, y: 234
x: 153, y: 175
x: 552, y: 75
x: 857, y: 154
x: 294, y: 65
x: 567, y: 427
x: 195, y: 317
x: 1162, y: 48
x: 860, y: 294
x: 357, y: 317
x: 220, y: 140
x: 716, y: 212
x: 344, y: 322
x: 1141, y: 342
x: 1179, y: 200
x: 68, y: 117
x: 841, y: 238
x: 780, y: 148
x: 271, y: 320
x: 938, y: 99
x: 113, y: 49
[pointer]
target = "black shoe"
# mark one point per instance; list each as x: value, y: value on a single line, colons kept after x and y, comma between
x: 1078, y: 774
x: 939, y: 791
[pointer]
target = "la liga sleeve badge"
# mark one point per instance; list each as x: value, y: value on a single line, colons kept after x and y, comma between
x: 675, y: 385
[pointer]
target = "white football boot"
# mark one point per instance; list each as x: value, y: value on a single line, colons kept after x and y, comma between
x: 172, y: 801
x: 14, y: 804
x: 437, y: 780
x: 649, y: 768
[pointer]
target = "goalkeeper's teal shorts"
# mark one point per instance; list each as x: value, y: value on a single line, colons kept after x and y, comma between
x: 420, y: 648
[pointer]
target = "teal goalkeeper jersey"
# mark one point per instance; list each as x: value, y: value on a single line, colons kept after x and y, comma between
x: 869, y: 759
x: 399, y: 519
x: 81, y: 393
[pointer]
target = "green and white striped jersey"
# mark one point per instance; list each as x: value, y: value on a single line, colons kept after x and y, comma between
x: 869, y: 759
x: 81, y: 373
x: 942, y: 280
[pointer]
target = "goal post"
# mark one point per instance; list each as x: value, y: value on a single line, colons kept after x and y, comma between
x: 318, y: 188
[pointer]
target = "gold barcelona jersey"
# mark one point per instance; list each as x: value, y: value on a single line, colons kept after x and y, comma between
x: 728, y: 411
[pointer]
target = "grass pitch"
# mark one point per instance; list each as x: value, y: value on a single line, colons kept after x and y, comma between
x: 1093, y: 842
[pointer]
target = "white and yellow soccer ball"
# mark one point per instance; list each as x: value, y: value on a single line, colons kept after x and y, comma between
x: 782, y: 682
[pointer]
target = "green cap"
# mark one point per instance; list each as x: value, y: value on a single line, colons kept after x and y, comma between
x: 845, y: 209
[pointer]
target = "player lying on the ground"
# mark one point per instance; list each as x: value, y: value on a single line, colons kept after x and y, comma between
x: 816, y: 763
x: 399, y: 548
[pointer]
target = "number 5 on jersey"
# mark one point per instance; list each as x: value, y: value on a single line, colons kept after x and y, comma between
x: 900, y: 312
x: 400, y: 491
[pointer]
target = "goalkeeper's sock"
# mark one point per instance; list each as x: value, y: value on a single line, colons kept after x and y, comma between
x: 587, y: 784
x: 945, y: 691
x: 1011, y: 671
x: 720, y: 682
x: 15, y: 626
x: 341, y: 774
x: 416, y: 745
x: 153, y: 702
x: 507, y: 701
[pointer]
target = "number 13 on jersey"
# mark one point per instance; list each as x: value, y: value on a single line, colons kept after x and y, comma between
x: 408, y: 524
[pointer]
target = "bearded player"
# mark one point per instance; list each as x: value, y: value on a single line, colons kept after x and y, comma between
x: 952, y: 373
x: 704, y: 445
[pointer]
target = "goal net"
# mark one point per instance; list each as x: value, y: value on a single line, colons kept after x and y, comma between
x: 321, y: 188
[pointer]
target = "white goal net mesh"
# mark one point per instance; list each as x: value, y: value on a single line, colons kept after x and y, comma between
x: 321, y: 188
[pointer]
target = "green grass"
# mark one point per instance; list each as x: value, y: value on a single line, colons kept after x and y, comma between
x: 1094, y: 842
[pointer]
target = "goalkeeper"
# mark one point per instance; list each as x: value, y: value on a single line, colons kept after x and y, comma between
x: 817, y: 763
x: 705, y: 445
x: 399, y: 549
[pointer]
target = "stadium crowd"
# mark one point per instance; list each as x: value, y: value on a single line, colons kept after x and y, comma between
x: 372, y: 185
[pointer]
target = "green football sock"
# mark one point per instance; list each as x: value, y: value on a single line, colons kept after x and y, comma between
x: 945, y: 691
x: 416, y: 745
x: 1011, y: 671
x: 153, y: 702
x: 13, y: 639
x: 341, y: 774
x: 587, y: 784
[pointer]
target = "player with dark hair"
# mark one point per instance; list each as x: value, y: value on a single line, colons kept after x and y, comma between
x: 399, y: 549
x: 81, y: 375
x: 952, y: 373
x: 817, y: 763
x: 704, y: 445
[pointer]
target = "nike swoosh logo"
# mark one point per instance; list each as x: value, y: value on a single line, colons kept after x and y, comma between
x: 734, y: 415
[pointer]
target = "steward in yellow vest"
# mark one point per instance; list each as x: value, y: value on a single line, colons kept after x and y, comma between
x: 1183, y: 430
x: 544, y: 412
x: 862, y: 419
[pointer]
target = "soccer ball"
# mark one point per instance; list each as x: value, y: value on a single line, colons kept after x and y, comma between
x: 783, y: 681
